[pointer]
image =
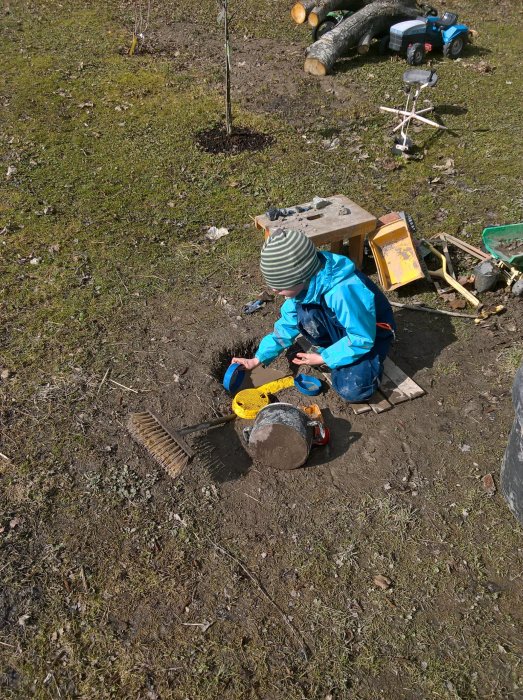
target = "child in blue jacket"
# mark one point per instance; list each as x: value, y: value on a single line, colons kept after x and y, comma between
x: 336, y: 307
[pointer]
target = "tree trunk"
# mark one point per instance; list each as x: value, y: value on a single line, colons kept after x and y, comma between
x: 323, y: 7
x: 300, y: 10
x: 228, y: 103
x: 374, y: 19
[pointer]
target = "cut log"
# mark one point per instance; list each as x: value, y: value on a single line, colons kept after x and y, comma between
x: 374, y: 19
x: 322, y: 8
x: 364, y: 42
x: 300, y: 10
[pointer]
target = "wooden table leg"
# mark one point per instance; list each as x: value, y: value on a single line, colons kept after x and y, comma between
x: 356, y: 248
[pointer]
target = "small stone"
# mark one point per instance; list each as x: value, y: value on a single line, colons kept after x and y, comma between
x: 517, y: 288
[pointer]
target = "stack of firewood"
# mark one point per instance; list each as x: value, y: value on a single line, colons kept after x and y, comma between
x: 368, y: 19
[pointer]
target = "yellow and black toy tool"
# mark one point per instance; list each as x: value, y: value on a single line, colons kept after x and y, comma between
x: 442, y: 273
x: 248, y: 402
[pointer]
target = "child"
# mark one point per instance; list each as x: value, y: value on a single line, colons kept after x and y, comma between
x: 333, y: 305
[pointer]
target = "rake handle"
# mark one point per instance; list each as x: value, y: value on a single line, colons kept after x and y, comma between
x: 208, y: 424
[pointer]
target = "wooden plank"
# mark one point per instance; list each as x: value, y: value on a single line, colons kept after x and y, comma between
x: 467, y: 247
x: 391, y: 391
x: 359, y: 408
x: 337, y: 247
x: 379, y: 403
x: 405, y: 384
x: 356, y: 250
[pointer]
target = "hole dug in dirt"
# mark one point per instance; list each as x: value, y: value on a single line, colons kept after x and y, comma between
x: 222, y: 358
x: 216, y: 140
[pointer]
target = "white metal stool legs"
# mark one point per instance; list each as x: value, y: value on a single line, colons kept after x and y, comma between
x: 416, y: 81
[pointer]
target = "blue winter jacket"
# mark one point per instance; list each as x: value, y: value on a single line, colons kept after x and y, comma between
x: 338, y: 287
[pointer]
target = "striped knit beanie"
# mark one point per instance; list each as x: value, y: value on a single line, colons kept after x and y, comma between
x: 288, y: 258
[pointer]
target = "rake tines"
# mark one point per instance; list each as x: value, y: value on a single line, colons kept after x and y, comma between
x: 164, y: 445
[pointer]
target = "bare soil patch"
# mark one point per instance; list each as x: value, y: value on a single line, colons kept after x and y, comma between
x: 217, y: 140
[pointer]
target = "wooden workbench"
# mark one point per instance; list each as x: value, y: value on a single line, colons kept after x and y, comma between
x: 329, y: 226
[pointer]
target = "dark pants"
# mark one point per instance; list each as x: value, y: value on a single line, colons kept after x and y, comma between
x: 358, y: 381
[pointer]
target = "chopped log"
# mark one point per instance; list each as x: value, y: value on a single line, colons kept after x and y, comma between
x: 364, y: 42
x: 374, y: 19
x: 322, y: 8
x: 300, y: 10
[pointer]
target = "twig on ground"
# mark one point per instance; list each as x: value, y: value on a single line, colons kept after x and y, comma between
x: 127, y: 388
x: 416, y: 307
x: 204, y: 626
x: 84, y: 580
x: 3, y: 456
x: 103, y: 380
x: 249, y: 496
x: 304, y: 647
x: 5, y: 644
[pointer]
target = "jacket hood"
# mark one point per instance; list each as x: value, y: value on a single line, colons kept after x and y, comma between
x: 336, y: 268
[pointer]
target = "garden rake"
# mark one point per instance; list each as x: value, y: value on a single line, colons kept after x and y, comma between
x: 165, y: 445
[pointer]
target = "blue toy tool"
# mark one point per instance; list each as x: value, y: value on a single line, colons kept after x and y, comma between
x: 253, y: 306
x: 233, y: 377
x: 307, y: 384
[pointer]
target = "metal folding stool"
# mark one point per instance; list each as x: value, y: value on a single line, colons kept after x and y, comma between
x: 416, y: 81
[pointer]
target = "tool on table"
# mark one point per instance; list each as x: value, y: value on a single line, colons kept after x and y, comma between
x: 442, y: 273
x: 164, y: 444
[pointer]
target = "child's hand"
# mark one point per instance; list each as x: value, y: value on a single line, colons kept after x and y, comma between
x: 248, y: 364
x: 308, y: 358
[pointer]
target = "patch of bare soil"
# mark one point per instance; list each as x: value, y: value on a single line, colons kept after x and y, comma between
x: 267, y: 76
x: 402, y: 453
x: 217, y: 140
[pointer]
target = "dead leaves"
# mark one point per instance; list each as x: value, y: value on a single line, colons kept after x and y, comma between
x: 489, y: 485
x: 446, y: 168
x: 382, y: 582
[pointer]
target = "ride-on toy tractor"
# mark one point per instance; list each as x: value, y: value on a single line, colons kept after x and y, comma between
x: 417, y: 37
